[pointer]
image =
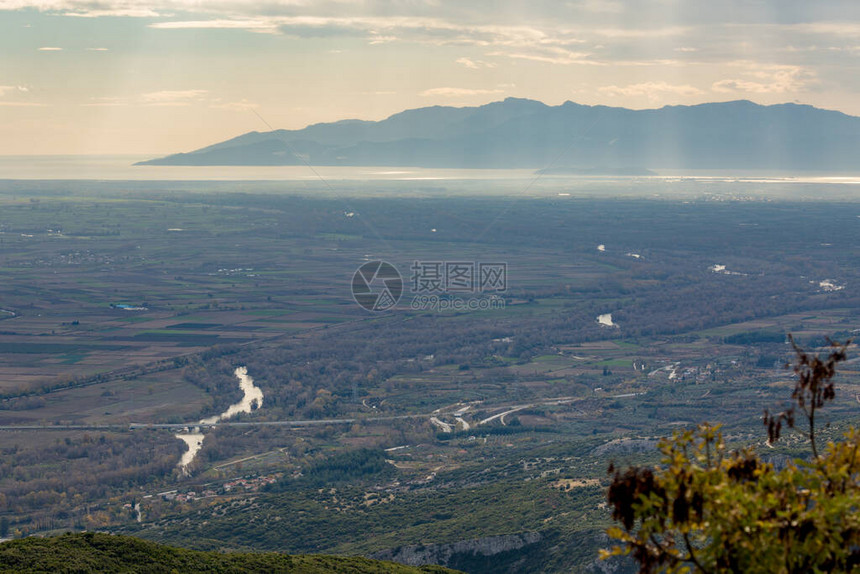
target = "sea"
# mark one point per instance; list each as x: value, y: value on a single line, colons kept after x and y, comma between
x: 672, y: 184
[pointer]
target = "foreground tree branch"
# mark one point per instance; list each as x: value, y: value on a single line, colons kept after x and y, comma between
x: 707, y: 510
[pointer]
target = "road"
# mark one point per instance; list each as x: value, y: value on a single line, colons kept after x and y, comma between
x: 556, y: 401
x: 509, y: 409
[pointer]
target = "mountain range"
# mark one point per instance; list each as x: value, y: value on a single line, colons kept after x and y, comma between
x: 521, y: 133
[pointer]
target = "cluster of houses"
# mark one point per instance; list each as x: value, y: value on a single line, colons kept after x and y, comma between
x: 248, y: 483
x: 190, y: 496
x: 253, y: 483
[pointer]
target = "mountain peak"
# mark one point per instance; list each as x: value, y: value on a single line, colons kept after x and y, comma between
x: 524, y: 133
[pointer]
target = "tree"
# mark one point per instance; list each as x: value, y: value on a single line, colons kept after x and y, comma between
x: 705, y: 509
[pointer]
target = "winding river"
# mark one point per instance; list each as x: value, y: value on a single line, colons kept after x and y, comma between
x: 252, y: 399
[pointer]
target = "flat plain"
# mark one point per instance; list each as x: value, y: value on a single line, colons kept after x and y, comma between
x: 130, y: 304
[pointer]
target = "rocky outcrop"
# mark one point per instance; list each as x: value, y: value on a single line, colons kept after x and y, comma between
x: 444, y: 554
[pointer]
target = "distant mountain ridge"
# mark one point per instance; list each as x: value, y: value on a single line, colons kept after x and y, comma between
x: 520, y: 133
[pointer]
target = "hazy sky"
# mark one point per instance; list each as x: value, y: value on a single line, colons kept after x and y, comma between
x: 119, y: 76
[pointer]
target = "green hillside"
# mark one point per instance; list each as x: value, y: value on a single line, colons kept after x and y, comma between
x: 93, y: 552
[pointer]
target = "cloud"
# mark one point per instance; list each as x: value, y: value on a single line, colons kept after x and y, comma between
x: 516, y: 41
x: 115, y: 12
x: 745, y: 86
x: 651, y: 90
x: 474, y: 64
x: 87, y: 8
x: 542, y: 34
x: 505, y: 27
x: 766, y: 79
x: 173, y: 97
x: 560, y: 57
x: 15, y: 91
x: 50, y: 49
x: 848, y: 28
x: 12, y: 89
x: 253, y: 25
x: 240, y: 106
x: 468, y: 63
x: 652, y: 33
x: 97, y: 49
x: 458, y: 92
x: 377, y: 39
x: 160, y: 98
x: 107, y: 101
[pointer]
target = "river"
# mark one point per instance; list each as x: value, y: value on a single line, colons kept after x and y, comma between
x: 252, y: 399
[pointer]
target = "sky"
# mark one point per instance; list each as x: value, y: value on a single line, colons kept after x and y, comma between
x: 159, y: 77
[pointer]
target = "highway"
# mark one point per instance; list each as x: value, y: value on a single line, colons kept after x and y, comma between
x: 506, y: 410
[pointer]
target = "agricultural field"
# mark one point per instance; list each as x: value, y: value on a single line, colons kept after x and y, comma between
x: 126, y: 309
